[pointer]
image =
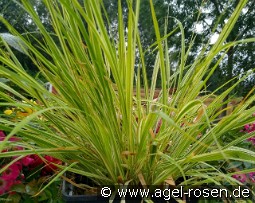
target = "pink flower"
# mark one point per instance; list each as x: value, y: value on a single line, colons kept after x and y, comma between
x: 49, y: 166
x: 240, y: 177
x: 12, y: 172
x: 5, y: 185
x: 12, y: 139
x: 37, y: 161
x: 19, y: 165
x: 252, y: 176
x: 27, y: 160
x: 247, y: 127
x: 252, y: 140
x: 2, y: 133
x: 17, y: 148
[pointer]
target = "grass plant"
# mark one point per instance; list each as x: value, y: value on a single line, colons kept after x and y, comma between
x: 97, y: 125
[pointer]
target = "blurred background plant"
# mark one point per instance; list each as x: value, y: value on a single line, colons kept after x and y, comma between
x: 98, y: 126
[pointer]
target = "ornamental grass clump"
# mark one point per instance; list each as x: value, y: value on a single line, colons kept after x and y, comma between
x: 97, y: 126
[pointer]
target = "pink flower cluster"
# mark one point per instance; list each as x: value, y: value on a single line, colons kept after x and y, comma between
x: 11, y: 176
x: 245, y: 177
x: 12, y: 139
x: 248, y: 128
x: 14, y: 173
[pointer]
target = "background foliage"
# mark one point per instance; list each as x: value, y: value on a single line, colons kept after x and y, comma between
x: 205, y: 18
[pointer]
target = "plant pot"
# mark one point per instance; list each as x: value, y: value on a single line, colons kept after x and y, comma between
x: 72, y: 194
x: 69, y: 196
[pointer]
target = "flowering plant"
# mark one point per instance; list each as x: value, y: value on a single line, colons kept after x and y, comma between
x: 248, y: 128
x: 18, y: 112
x: 248, y: 178
x: 245, y: 178
x: 23, y: 177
